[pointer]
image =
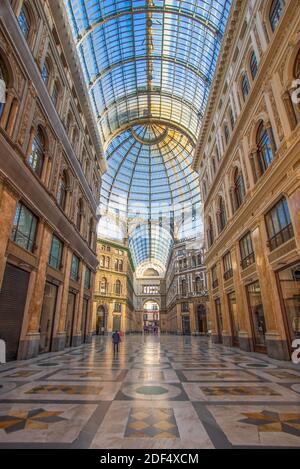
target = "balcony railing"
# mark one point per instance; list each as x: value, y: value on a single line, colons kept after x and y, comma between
x: 228, y: 274
x: 248, y: 260
x: 215, y: 283
x: 281, y: 237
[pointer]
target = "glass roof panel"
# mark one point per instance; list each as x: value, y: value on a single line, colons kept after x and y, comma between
x: 149, y: 65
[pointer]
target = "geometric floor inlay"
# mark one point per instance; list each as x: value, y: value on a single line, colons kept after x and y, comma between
x: 267, y: 421
x: 156, y: 423
x: 35, y: 419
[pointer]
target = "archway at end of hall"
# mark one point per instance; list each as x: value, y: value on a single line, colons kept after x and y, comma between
x: 151, y: 317
x: 101, y: 320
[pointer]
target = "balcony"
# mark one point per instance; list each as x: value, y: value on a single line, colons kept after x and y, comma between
x: 281, y: 237
x: 228, y: 274
x: 248, y: 260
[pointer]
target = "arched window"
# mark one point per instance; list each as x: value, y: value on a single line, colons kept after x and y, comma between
x: 297, y: 66
x: 91, y: 232
x: 79, y: 214
x: 68, y: 123
x: 103, y: 286
x: 204, y: 185
x: 213, y: 164
x: 245, y: 86
x: 55, y: 93
x: 46, y: 72
x: 264, y: 148
x: 253, y: 65
x: 36, y: 157
x: 276, y: 10
x: 239, y: 189
x: 118, y: 287
x: 3, y: 84
x: 62, y: 190
x: 183, y: 287
x: 120, y: 265
x: 24, y: 21
x: 231, y: 117
x: 210, y: 232
x: 198, y: 284
x: 226, y: 133
x: 107, y: 262
x: 222, y: 218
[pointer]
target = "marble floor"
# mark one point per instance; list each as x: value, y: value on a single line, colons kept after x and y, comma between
x: 169, y: 392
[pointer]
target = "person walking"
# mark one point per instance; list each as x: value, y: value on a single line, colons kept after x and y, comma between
x: 116, y: 339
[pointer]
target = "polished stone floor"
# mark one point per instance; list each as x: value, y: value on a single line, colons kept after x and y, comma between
x: 157, y: 392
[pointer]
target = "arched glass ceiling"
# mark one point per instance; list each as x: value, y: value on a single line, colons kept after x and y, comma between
x: 148, y: 65
x: 148, y: 59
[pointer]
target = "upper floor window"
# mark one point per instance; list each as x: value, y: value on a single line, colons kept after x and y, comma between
x: 3, y: 78
x: 245, y: 86
x: 184, y: 307
x: 253, y: 65
x: 103, y: 286
x: 62, y: 190
x: 118, y: 287
x: 226, y: 133
x: 276, y: 10
x: 246, y: 251
x: 56, y: 252
x: 239, y: 189
x: 24, y: 228
x: 214, y: 276
x: 46, y: 72
x: 198, y: 284
x: 24, y: 21
x: 231, y: 117
x: 222, y: 218
x: 227, y: 266
x: 74, y: 274
x: 55, y: 93
x: 183, y: 287
x: 279, y: 224
x: 210, y: 232
x: 36, y: 158
x: 79, y: 215
x: 87, y: 279
x: 264, y: 147
x: 118, y: 307
x: 107, y: 262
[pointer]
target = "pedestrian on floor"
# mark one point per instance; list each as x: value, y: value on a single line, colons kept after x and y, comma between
x: 116, y: 339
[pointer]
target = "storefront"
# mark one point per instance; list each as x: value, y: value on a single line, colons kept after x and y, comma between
x: 289, y: 286
x: 257, y: 316
x: 219, y: 319
x: 70, y: 318
x: 47, y: 316
x: 232, y: 306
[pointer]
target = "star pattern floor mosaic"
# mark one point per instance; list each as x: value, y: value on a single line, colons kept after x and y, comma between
x: 158, y: 392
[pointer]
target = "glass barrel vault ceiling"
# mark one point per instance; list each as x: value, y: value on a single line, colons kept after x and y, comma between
x: 148, y: 65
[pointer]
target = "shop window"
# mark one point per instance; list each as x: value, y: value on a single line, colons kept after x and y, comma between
x: 279, y: 225
x: 75, y: 268
x: 56, y: 251
x: 246, y: 251
x: 36, y: 157
x: 276, y: 11
x: 24, y: 228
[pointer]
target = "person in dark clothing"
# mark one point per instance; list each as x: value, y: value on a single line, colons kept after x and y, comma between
x: 116, y: 339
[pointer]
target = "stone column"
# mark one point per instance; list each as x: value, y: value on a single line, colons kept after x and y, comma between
x: 192, y: 318
x: 289, y: 108
x: 8, y: 203
x: 211, y: 316
x: 77, y: 332
x: 7, y: 107
x: 245, y: 331
x: 227, y: 332
x: 29, y: 344
x: 59, y: 337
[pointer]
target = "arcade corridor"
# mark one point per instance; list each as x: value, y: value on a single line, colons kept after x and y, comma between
x: 158, y: 392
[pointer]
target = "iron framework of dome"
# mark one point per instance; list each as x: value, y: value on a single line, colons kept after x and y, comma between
x: 148, y: 65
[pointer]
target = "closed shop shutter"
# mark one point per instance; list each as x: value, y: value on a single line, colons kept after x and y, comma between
x: 12, y: 303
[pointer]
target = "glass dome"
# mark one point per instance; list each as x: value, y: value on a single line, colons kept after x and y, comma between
x: 148, y: 66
